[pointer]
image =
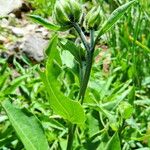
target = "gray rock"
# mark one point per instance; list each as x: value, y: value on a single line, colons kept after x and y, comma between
x: 18, y: 31
x: 34, y: 46
x: 7, y: 6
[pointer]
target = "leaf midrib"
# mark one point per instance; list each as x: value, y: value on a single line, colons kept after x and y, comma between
x: 16, y: 125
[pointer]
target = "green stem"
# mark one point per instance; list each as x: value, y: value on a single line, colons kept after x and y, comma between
x: 86, y: 76
x: 71, y: 131
x: 81, y: 34
x: 89, y: 59
x: 92, y: 46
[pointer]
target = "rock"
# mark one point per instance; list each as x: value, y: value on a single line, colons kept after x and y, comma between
x: 42, y: 31
x: 13, y: 47
x: 23, y: 30
x: 31, y: 27
x: 26, y: 7
x: 34, y: 46
x: 7, y: 6
x: 18, y: 31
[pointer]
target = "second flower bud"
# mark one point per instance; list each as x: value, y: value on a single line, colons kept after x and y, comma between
x: 93, y: 19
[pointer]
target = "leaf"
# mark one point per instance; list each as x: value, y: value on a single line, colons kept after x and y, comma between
x: 67, y: 59
x: 27, y: 128
x: 113, y: 143
x: 125, y: 109
x: 14, y: 84
x: 114, y: 17
x: 112, y: 118
x: 3, y: 80
x: 105, y: 88
x: 77, y: 52
x: 49, y: 47
x: 44, y: 22
x: 112, y: 105
x: 144, y: 47
x: 62, y: 105
x: 47, y: 24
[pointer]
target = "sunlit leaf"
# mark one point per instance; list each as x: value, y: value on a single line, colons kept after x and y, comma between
x: 74, y: 50
x: 114, y: 17
x: 14, y: 84
x: 27, y: 127
x: 125, y: 109
x: 47, y: 24
x: 113, y: 143
x: 62, y: 105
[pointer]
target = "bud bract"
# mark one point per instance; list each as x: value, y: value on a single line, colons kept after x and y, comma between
x: 76, y: 10
x: 93, y: 19
x: 67, y: 11
x: 60, y: 15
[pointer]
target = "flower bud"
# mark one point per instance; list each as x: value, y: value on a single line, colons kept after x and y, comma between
x: 93, y: 19
x: 60, y: 15
x: 76, y: 10
x: 67, y: 11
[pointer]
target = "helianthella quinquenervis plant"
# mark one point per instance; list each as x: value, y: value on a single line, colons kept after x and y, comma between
x: 67, y: 15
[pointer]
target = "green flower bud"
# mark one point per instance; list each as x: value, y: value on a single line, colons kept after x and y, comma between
x: 76, y: 10
x: 93, y: 19
x: 67, y: 11
x: 60, y: 15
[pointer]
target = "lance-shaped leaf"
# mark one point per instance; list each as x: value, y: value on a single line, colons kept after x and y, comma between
x: 62, y: 105
x: 47, y: 24
x: 12, y: 86
x: 27, y: 127
x: 114, y: 17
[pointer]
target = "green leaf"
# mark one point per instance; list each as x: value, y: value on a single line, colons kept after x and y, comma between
x: 144, y: 47
x: 27, y: 128
x: 44, y: 22
x: 125, y: 109
x: 49, y: 47
x: 67, y: 59
x: 9, y: 89
x: 14, y: 84
x: 62, y: 105
x: 112, y: 118
x: 77, y: 52
x: 112, y: 105
x: 47, y: 24
x: 113, y: 143
x: 3, y: 80
x: 114, y: 17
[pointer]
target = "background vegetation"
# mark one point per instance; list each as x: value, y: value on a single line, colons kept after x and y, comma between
x: 118, y: 96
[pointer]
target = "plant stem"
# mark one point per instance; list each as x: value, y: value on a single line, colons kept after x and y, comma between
x: 89, y: 59
x: 72, y: 129
x: 83, y: 88
x: 81, y: 34
x: 92, y: 44
x: 86, y: 76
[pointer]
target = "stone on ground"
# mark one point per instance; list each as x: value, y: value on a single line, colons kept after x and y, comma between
x: 7, y: 6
